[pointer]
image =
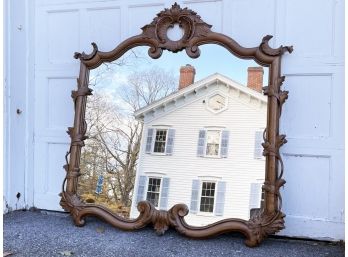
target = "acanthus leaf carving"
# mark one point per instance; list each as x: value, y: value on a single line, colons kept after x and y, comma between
x: 264, y: 224
x: 196, y: 33
x: 70, y: 131
x: 281, y: 95
x: 281, y: 140
x: 72, y: 203
x: 189, y: 21
x: 162, y: 219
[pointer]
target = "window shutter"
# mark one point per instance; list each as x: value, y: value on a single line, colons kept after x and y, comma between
x: 255, y: 195
x: 141, y: 189
x: 194, y: 196
x: 258, y: 145
x: 170, y: 141
x: 149, y: 139
x: 220, y: 198
x: 164, y: 194
x: 99, y: 187
x: 201, y: 143
x: 225, y: 134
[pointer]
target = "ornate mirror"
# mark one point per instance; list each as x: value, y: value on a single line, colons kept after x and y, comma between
x: 182, y: 139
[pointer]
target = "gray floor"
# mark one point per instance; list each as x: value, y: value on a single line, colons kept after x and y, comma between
x: 38, y: 234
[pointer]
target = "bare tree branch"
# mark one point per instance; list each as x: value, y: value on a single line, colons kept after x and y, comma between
x: 112, y: 149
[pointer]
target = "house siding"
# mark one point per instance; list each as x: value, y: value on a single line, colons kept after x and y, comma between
x: 238, y: 170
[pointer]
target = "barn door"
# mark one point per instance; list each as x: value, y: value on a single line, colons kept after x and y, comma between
x: 61, y: 30
x: 55, y: 77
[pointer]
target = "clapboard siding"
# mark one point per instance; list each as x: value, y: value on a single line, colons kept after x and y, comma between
x: 238, y: 170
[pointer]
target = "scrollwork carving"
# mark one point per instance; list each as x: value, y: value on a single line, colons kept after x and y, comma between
x: 196, y: 32
x: 188, y: 20
x: 73, y: 204
x: 264, y: 224
x: 84, y: 56
x: 264, y: 47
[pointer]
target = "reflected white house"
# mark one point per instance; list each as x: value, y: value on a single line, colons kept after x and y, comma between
x: 202, y: 147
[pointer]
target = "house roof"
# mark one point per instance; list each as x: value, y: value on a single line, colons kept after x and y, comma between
x: 216, y: 77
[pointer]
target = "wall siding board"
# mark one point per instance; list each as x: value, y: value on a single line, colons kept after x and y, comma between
x: 314, y: 72
x: 188, y: 120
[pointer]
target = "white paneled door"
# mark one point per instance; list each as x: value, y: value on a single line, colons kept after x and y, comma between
x: 61, y: 30
x: 43, y: 35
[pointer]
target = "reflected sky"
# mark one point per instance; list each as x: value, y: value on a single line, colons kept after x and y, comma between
x: 213, y: 59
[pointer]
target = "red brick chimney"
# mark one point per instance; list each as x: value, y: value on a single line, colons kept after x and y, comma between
x: 187, y: 76
x: 255, y: 78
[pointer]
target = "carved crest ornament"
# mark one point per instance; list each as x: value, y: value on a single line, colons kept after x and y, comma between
x: 269, y: 219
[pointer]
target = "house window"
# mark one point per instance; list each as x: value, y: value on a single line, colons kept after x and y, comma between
x: 153, y: 191
x: 160, y: 141
x: 207, y: 197
x: 258, y: 149
x: 213, y: 142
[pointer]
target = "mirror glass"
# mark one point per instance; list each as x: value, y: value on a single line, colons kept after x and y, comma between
x: 176, y: 130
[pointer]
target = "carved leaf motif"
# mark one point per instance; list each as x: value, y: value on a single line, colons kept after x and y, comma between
x: 69, y: 202
x: 196, y: 33
x: 283, y: 95
x: 73, y: 204
x: 281, y: 140
x: 160, y: 222
x: 188, y: 20
x: 262, y: 224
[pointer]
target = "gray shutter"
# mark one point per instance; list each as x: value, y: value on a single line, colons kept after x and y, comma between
x: 194, y: 196
x: 141, y: 189
x: 99, y: 187
x: 225, y: 134
x: 201, y: 143
x: 149, y: 139
x: 258, y: 145
x: 164, y: 194
x: 220, y: 198
x: 255, y: 195
x: 170, y: 141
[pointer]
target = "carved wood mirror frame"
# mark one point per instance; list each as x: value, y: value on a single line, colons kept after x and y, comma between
x: 267, y: 220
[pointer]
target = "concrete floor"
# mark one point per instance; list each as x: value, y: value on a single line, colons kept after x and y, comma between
x: 38, y: 234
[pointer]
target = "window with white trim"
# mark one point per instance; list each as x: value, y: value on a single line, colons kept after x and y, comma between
x: 207, y: 197
x: 213, y: 143
x: 160, y: 141
x: 153, y: 191
x: 258, y: 148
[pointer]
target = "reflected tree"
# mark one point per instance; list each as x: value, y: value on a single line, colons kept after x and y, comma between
x: 112, y: 149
